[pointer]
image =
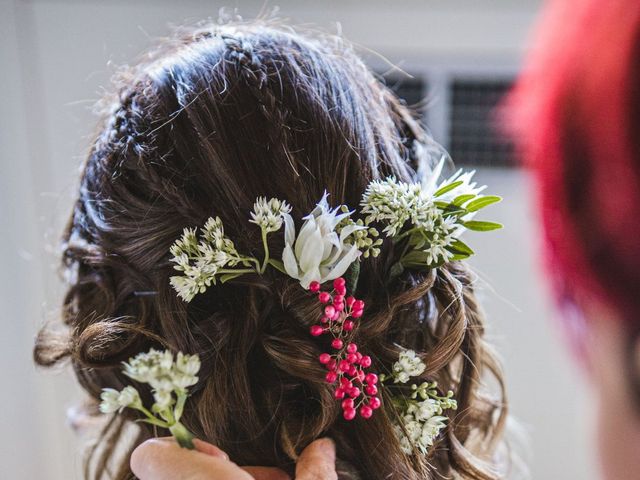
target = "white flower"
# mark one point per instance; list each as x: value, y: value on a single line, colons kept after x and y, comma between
x: 163, y: 399
x: 408, y: 365
x: 394, y: 203
x: 318, y: 253
x: 422, y: 425
x: 113, y: 400
x: 430, y: 430
x: 443, y: 235
x: 268, y: 213
x: 159, y: 370
x: 109, y: 397
x: 188, y: 364
x: 430, y: 183
x: 129, y: 396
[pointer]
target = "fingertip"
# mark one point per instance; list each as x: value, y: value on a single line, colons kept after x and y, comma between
x: 318, y: 461
x: 143, y: 455
x: 209, y: 449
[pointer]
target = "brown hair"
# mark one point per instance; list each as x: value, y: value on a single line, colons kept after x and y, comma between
x: 201, y: 127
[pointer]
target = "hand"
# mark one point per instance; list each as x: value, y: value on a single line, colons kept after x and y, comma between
x: 163, y: 459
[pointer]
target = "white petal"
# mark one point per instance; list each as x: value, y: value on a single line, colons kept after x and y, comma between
x: 309, y: 277
x: 289, y: 229
x: 339, y: 268
x: 307, y: 229
x: 348, y: 230
x: 312, y: 252
x: 429, y: 182
x: 289, y: 260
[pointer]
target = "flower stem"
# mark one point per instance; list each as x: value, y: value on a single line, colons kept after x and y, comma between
x: 266, y: 251
x: 183, y: 436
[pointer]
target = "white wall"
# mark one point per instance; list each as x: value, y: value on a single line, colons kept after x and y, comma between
x: 56, y: 55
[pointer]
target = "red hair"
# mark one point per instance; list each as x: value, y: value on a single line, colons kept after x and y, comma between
x: 576, y: 113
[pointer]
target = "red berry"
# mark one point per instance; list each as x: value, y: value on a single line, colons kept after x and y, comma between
x: 324, y: 358
x: 360, y: 375
x: 331, y: 377
x: 339, y: 282
x: 371, y: 378
x: 365, y: 361
x: 344, y: 366
x: 336, y: 343
x: 358, y: 305
x: 314, y: 286
x: 366, y: 411
x: 338, y: 298
x: 329, y: 310
x: 349, y: 413
x: 371, y: 390
x: 348, y: 325
x: 352, y: 371
x: 324, y: 297
x: 341, y: 290
x: 350, y: 301
x: 338, y: 394
x: 345, y: 382
x: 316, y: 330
x: 357, y: 313
x: 325, y: 319
x: 354, y: 392
x: 347, y: 403
x: 339, y: 306
x: 332, y: 364
x: 374, y: 402
x: 352, y: 348
x: 352, y: 358
x: 359, y: 355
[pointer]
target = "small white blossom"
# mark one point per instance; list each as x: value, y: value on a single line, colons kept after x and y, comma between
x: 109, y: 397
x: 395, y: 203
x: 113, y: 400
x: 129, y: 396
x: 442, y: 236
x: 163, y: 399
x: 200, y: 260
x: 422, y: 426
x: 159, y: 370
x: 318, y: 253
x: 408, y: 365
x: 268, y: 213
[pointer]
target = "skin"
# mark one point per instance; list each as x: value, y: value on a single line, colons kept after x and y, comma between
x: 617, y: 418
x: 164, y: 459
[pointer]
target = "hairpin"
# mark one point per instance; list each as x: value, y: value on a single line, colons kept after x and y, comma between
x: 426, y: 218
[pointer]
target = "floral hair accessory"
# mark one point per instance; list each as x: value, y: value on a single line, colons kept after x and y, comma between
x: 169, y: 380
x: 424, y: 222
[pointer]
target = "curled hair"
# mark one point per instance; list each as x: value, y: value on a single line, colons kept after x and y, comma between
x: 202, y: 126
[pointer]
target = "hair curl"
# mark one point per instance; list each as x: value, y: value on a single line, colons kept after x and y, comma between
x: 202, y: 126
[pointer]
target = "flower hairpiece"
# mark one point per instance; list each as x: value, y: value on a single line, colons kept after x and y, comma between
x: 169, y: 380
x: 424, y: 219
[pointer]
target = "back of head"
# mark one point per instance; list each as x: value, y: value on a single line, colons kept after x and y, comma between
x: 202, y: 126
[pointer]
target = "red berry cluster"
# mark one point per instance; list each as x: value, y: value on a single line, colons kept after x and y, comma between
x: 346, y: 366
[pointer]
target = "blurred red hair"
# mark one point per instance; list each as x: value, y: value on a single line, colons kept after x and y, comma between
x: 576, y: 116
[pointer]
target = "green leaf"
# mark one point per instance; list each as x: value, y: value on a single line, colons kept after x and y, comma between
x: 351, y: 276
x: 278, y: 265
x: 482, y: 202
x: 458, y: 247
x: 460, y: 199
x: 415, y: 258
x: 229, y: 276
x: 396, y: 270
x: 460, y: 256
x: 482, y: 226
x: 447, y: 188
